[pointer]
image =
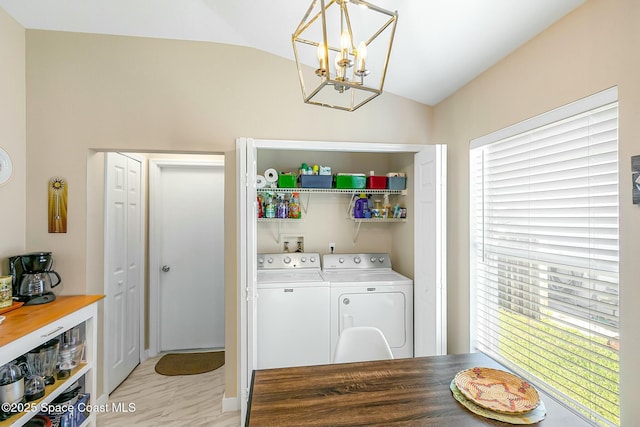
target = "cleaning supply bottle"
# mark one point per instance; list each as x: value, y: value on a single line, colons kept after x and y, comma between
x: 259, y: 208
x: 294, y: 207
x: 282, y: 211
x: 361, y: 206
x: 269, y: 209
x: 386, y: 205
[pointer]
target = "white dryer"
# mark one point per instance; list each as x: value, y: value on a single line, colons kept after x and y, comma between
x: 292, y: 311
x: 365, y: 291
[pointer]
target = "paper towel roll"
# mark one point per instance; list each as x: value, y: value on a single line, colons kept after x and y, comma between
x: 260, y: 181
x: 271, y: 175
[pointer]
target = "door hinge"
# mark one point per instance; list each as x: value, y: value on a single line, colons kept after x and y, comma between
x: 250, y: 295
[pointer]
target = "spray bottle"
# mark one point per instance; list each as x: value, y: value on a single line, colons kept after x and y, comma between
x: 269, y: 209
x: 386, y: 205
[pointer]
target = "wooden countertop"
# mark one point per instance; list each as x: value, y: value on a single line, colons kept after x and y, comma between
x: 29, y: 318
x: 400, y: 392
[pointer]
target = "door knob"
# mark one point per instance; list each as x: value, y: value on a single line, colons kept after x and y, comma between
x: 166, y: 268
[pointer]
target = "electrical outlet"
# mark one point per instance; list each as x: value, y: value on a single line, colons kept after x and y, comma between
x: 332, y: 247
x: 292, y: 243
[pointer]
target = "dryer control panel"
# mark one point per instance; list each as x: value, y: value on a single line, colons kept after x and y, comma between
x: 356, y: 261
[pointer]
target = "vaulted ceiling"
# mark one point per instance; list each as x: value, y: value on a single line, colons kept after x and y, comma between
x: 440, y: 45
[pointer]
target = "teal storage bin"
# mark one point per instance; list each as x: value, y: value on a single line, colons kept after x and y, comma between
x: 396, y: 183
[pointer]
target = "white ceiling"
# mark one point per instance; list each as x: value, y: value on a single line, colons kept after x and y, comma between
x: 440, y: 45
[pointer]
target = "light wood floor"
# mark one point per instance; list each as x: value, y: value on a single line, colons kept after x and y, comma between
x: 169, y: 401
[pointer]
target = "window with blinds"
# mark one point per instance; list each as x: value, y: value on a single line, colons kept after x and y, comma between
x: 544, y: 252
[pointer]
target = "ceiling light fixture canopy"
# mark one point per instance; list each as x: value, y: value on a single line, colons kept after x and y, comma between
x: 350, y: 41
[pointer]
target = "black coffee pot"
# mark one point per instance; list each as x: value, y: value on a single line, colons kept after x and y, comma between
x: 33, y: 278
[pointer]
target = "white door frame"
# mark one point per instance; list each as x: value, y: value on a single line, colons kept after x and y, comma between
x: 246, y: 265
x: 247, y: 357
x: 155, y: 167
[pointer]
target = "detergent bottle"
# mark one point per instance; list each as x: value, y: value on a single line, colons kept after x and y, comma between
x: 361, y: 206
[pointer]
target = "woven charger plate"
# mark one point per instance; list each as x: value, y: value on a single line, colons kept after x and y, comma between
x: 532, y: 417
x: 497, y: 390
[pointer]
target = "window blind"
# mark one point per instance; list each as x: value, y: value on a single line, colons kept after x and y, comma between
x: 544, y: 257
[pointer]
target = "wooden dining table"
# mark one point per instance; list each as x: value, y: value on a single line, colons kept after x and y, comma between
x: 400, y: 392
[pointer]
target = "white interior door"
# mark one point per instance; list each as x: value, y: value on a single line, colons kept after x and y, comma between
x: 189, y: 226
x: 430, y: 290
x: 123, y: 248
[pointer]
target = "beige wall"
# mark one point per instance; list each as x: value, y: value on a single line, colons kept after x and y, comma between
x: 12, y: 137
x: 95, y: 92
x: 593, y: 48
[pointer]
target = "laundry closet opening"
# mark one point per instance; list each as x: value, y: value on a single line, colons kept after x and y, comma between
x: 415, y: 242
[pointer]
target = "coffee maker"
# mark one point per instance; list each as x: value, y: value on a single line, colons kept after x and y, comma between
x: 33, y: 277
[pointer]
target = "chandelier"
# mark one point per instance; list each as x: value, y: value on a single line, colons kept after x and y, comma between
x: 350, y: 41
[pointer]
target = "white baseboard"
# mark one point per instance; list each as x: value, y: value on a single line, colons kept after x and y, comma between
x: 103, y: 399
x: 150, y: 352
x: 230, y: 404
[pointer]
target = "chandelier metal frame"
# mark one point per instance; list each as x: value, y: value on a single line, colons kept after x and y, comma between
x: 346, y: 85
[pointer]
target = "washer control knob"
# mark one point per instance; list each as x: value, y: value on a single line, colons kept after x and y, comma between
x: 260, y: 261
x: 341, y: 260
x: 357, y: 260
x: 381, y: 259
x: 373, y: 259
x: 303, y: 259
x: 270, y: 260
x: 312, y: 259
x: 346, y: 301
x: 287, y: 260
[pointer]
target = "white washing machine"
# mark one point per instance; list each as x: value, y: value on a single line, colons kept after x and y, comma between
x: 365, y: 291
x: 292, y: 311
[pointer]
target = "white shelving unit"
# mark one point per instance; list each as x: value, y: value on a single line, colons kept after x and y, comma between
x: 350, y: 191
x: 28, y: 327
x: 331, y: 190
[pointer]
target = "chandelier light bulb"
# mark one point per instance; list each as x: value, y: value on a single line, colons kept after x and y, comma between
x: 322, y: 70
x: 362, y: 56
x: 345, y: 41
x: 340, y: 69
x: 321, y: 51
x: 345, y: 48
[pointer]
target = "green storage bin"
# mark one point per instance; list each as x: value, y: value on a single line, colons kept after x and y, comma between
x: 351, y: 181
x: 287, y: 180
